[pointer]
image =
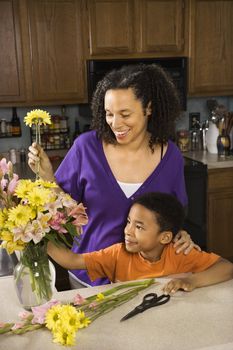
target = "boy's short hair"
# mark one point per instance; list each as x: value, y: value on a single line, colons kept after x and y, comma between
x: 168, y: 211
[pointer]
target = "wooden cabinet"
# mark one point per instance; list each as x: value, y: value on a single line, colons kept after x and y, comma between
x: 220, y: 212
x: 12, y: 82
x: 111, y: 26
x: 57, y: 69
x: 160, y: 25
x: 211, y: 47
x: 42, y: 54
x: 135, y: 27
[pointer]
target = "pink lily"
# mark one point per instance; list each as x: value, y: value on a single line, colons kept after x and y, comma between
x: 78, y: 300
x: 39, y: 312
x: 23, y: 315
x: 17, y: 325
x: 13, y: 183
x: 3, y: 166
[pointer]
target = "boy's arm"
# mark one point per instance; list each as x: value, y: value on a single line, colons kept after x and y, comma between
x: 65, y: 257
x: 221, y: 271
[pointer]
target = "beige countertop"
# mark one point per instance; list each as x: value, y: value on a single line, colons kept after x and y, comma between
x: 213, y: 161
x: 201, y: 320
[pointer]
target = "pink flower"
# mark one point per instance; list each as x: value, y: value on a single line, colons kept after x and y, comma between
x: 78, y: 300
x: 3, y: 166
x: 4, y: 183
x: 57, y: 221
x: 13, y: 183
x: 39, y: 312
x: 23, y: 315
x: 78, y: 210
x: 17, y: 325
x: 2, y: 324
x: 92, y: 305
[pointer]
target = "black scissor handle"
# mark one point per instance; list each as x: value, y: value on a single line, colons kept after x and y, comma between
x: 151, y: 300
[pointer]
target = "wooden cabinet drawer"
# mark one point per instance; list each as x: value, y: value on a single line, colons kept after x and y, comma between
x: 219, y: 179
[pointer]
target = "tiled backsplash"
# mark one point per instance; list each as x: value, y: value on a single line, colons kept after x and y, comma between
x: 83, y: 114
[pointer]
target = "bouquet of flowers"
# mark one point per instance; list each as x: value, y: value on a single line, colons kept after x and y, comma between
x: 64, y: 320
x: 31, y: 214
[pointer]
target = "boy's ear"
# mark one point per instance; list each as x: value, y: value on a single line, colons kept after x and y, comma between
x: 166, y: 237
x: 148, y: 109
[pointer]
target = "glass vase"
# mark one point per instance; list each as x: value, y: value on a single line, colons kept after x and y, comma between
x: 34, y: 276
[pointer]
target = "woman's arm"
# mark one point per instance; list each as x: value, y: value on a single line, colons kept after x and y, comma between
x: 221, y: 271
x: 65, y: 257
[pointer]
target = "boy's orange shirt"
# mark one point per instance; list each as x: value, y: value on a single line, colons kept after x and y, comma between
x: 117, y: 264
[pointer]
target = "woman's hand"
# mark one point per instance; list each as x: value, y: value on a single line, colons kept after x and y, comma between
x: 183, y: 243
x: 174, y: 285
x: 37, y: 155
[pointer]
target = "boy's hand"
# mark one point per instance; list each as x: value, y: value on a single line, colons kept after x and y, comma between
x: 174, y: 285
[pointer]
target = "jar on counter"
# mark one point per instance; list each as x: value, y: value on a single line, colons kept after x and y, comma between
x: 13, y: 157
x: 183, y: 140
x: 3, y: 127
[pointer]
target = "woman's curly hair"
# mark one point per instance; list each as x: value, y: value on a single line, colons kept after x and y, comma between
x: 150, y: 83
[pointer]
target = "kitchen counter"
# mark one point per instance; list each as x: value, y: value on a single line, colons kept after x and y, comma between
x: 213, y: 161
x: 201, y: 320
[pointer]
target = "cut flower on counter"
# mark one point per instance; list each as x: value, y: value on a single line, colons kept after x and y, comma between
x: 64, y: 320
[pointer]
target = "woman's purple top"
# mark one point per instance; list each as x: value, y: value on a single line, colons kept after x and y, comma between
x: 86, y: 176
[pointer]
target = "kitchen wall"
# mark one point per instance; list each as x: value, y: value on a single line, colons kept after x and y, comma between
x: 83, y: 114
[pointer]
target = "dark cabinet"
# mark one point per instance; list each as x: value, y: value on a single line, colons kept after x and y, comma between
x: 12, y: 82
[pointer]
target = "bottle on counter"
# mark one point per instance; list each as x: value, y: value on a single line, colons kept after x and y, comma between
x: 76, y: 129
x: 64, y: 120
x: 15, y: 124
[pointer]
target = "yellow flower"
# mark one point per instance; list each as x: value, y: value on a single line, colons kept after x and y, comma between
x: 21, y: 214
x: 52, y: 318
x: 70, y: 318
x: 84, y: 321
x: 37, y: 116
x: 3, y: 217
x: 46, y: 184
x: 9, y: 244
x: 100, y: 297
x: 39, y: 196
x: 23, y: 188
x: 63, y: 337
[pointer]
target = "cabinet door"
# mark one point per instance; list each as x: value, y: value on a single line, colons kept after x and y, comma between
x: 161, y: 25
x: 56, y: 51
x: 110, y: 26
x: 220, y: 223
x: 211, y: 47
x: 12, y: 87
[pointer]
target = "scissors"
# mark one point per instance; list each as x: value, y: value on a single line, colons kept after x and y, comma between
x: 149, y: 300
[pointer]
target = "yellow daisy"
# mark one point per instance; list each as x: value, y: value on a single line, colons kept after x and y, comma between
x: 70, y: 319
x: 3, y: 217
x: 84, y: 321
x: 46, y: 184
x: 39, y: 196
x: 21, y: 214
x: 23, y: 188
x: 52, y: 318
x: 37, y: 116
x: 100, y: 297
x: 63, y: 337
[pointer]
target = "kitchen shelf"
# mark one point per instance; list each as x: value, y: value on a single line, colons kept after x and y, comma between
x: 9, y: 136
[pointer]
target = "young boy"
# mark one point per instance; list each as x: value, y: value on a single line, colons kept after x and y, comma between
x: 148, y: 252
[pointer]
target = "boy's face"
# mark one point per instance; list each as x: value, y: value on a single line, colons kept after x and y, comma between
x: 142, y: 232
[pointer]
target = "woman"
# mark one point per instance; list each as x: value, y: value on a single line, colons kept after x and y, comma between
x: 127, y: 154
